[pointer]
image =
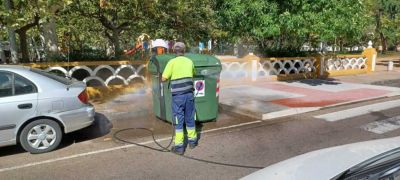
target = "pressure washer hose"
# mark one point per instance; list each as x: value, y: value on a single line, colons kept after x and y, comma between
x: 166, y: 148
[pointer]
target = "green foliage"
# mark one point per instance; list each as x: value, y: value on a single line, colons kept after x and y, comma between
x: 252, y: 20
x: 289, y: 24
x: 275, y: 26
x: 187, y: 20
x: 23, y: 12
x: 385, y: 18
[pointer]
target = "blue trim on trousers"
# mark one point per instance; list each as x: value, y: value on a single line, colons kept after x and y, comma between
x: 184, y: 111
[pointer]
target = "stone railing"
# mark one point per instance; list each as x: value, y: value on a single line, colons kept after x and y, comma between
x: 320, y: 66
x: 345, y: 63
x: 108, y: 73
x: 99, y: 73
x: 235, y: 69
x: 253, y: 67
x: 286, y: 66
x: 242, y: 68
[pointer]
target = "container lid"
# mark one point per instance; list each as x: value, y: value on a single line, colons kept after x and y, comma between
x: 161, y: 60
x: 199, y: 60
x: 203, y: 60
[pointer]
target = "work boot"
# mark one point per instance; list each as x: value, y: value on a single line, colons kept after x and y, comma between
x: 175, y: 151
x: 192, y: 146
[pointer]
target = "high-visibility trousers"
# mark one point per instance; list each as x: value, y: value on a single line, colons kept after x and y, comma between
x: 184, y: 113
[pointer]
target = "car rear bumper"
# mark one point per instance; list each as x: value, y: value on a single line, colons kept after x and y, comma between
x: 77, y: 119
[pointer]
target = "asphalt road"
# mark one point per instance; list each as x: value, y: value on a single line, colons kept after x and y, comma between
x: 391, y: 83
x: 92, y: 154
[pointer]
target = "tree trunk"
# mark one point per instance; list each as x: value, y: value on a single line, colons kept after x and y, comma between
x: 2, y: 55
x: 13, y: 45
x: 11, y: 34
x: 341, y: 45
x: 385, y: 45
x: 110, y: 46
x: 115, y: 41
x: 110, y: 50
x: 51, y: 39
x: 115, y: 31
x: 382, y: 39
x: 23, y: 38
x: 378, y: 30
x: 36, y: 49
x: 23, y: 46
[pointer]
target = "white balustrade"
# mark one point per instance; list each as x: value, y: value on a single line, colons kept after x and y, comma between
x: 124, y: 73
x: 266, y: 68
x: 337, y: 64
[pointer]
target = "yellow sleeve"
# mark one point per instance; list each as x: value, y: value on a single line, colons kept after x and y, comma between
x: 168, y: 70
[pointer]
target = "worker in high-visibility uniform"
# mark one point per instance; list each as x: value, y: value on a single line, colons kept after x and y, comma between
x: 180, y: 72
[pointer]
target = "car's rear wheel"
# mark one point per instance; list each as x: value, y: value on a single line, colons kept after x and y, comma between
x: 41, y: 136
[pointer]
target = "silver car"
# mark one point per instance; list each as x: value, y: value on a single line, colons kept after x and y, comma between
x: 37, y: 108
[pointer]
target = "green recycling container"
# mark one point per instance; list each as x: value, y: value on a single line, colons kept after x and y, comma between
x: 206, y: 85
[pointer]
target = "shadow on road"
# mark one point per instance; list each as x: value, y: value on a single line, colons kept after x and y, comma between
x: 100, y: 127
x: 379, y: 115
x: 11, y: 150
x: 199, y: 130
x: 317, y: 82
x: 389, y: 83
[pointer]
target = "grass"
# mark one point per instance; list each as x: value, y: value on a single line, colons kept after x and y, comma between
x: 389, y: 54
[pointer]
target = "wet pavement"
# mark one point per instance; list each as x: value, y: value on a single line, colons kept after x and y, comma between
x: 92, y: 153
x: 231, y: 139
x: 267, y: 100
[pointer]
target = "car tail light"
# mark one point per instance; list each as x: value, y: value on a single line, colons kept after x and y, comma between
x: 83, y: 97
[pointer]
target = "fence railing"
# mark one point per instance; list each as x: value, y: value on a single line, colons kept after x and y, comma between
x: 342, y: 65
x: 253, y: 67
x: 267, y: 67
x: 108, y: 73
x: 99, y: 73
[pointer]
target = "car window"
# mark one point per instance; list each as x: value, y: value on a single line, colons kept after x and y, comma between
x: 23, y: 86
x: 59, y: 79
x: 5, y: 84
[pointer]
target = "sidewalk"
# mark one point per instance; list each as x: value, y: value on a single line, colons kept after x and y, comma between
x: 266, y: 99
x: 379, y: 77
x: 270, y: 99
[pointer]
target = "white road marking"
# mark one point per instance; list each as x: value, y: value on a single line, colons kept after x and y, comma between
x: 288, y: 112
x: 111, y: 149
x: 358, y: 111
x: 383, y: 126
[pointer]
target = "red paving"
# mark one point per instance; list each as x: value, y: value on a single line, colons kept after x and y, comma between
x: 318, y: 98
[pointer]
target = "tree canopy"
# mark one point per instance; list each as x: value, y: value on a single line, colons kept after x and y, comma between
x: 110, y: 26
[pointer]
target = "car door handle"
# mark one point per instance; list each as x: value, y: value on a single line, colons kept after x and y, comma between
x: 25, y: 106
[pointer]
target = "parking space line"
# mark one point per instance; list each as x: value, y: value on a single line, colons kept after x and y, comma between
x: 113, y: 149
x: 358, y: 111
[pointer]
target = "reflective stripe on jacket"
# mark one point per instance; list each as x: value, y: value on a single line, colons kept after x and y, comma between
x: 181, y: 86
